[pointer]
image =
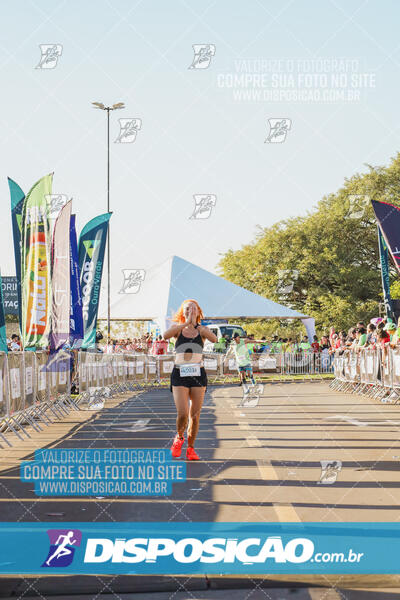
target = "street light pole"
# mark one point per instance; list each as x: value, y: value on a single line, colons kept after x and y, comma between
x: 109, y: 234
x: 108, y: 108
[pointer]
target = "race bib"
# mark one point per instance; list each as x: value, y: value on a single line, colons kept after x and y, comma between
x: 189, y: 370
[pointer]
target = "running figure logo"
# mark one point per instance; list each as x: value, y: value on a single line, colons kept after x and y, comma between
x: 286, y: 281
x: 50, y: 55
x: 62, y: 547
x: 358, y: 204
x: 128, y: 129
x: 203, y: 54
x: 132, y: 280
x: 329, y: 471
x: 203, y: 205
x: 56, y: 202
x: 278, y: 129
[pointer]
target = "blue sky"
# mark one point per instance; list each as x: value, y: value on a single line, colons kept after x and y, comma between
x: 197, y: 137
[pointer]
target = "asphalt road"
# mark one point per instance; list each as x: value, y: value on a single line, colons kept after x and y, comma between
x: 258, y: 464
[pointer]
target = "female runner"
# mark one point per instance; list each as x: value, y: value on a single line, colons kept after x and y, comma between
x: 188, y: 378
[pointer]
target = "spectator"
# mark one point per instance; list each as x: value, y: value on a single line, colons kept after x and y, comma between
x: 221, y: 344
x: 371, y: 334
x: 351, y: 337
x: 315, y: 344
x: 361, y: 337
x: 15, y: 345
x: 264, y: 346
x: 305, y: 344
x: 160, y: 346
x: 341, y: 342
x: 325, y: 345
x: 391, y: 329
x: 382, y: 339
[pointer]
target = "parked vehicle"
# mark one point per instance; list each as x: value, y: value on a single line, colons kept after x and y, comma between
x: 220, y: 329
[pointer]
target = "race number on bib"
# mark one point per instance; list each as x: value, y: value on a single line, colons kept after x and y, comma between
x: 189, y: 370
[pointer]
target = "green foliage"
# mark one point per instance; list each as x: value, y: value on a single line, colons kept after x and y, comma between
x: 395, y: 290
x: 333, y: 248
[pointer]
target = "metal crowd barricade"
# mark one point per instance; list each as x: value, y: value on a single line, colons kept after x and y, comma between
x: 212, y: 365
x: 140, y: 367
x: 297, y: 363
x: 152, y: 371
x: 4, y: 396
x: 268, y: 363
x: 165, y: 365
x: 395, y: 373
x: 371, y: 371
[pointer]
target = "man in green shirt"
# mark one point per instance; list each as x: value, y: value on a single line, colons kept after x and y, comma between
x: 243, y: 358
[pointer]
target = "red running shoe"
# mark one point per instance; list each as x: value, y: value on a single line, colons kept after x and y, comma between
x: 176, y: 447
x: 191, y: 454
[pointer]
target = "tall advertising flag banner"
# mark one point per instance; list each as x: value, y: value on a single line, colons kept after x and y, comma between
x: 61, y: 290
x: 76, y: 319
x: 384, y: 257
x: 35, y: 266
x: 388, y: 217
x: 3, y: 335
x: 92, y: 243
x: 17, y: 201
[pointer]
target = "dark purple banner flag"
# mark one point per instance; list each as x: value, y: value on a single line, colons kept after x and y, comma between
x: 388, y: 217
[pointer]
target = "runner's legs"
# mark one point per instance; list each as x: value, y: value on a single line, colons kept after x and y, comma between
x: 196, y: 402
x: 181, y: 399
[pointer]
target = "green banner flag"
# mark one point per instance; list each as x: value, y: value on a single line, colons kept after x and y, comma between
x: 92, y: 243
x: 35, y: 266
x: 17, y: 197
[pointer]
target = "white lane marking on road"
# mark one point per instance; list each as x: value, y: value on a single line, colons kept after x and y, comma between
x: 139, y: 425
x: 362, y: 423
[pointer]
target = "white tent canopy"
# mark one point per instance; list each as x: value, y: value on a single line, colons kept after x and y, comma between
x: 168, y: 284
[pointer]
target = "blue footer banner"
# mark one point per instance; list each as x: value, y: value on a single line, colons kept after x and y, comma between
x: 199, y: 548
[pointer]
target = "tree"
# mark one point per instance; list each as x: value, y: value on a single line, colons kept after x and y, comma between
x: 326, y: 263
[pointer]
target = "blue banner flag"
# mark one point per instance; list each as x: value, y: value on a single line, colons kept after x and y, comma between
x: 76, y: 319
x: 384, y: 257
x: 17, y: 201
x: 67, y: 548
x: 92, y: 243
x: 388, y: 217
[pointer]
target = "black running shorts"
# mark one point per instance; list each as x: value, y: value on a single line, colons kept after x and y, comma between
x: 189, y: 382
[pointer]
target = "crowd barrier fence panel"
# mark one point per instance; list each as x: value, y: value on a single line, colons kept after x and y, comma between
x: 212, y: 364
x: 4, y: 403
x: 41, y: 376
x: 268, y: 363
x: 396, y: 368
x: 140, y: 367
x: 166, y: 365
x: 29, y: 381
x: 152, y: 369
x: 16, y: 378
x: 130, y: 367
x: 82, y: 373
